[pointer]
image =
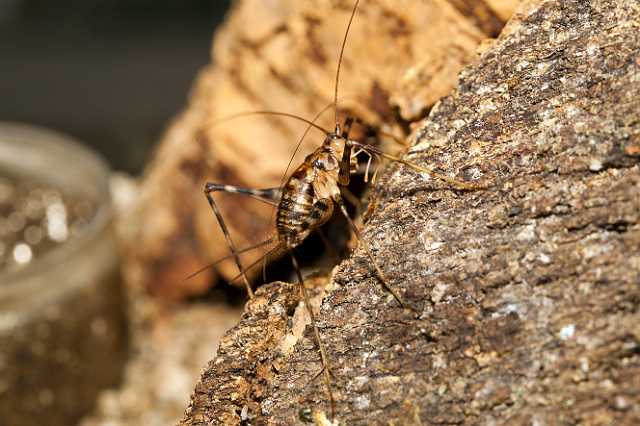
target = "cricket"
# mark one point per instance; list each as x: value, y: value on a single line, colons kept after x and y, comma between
x: 309, y: 197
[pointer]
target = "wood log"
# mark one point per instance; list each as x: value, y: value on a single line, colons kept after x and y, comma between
x: 282, y: 55
x: 525, y: 294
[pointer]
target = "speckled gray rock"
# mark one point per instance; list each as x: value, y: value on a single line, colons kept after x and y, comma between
x: 527, y: 293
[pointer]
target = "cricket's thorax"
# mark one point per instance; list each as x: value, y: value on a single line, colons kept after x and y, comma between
x: 307, y: 196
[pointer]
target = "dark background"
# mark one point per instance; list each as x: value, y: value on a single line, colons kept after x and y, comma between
x: 109, y: 72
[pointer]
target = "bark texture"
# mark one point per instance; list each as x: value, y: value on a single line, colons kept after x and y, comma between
x: 525, y: 294
x: 282, y: 55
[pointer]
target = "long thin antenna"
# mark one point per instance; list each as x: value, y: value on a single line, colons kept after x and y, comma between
x: 222, y: 259
x: 304, y: 135
x: 344, y: 43
x: 275, y: 249
x: 267, y: 112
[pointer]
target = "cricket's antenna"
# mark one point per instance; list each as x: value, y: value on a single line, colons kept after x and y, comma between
x: 269, y: 112
x: 344, y: 42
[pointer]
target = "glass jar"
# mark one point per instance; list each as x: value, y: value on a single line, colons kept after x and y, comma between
x: 63, y: 333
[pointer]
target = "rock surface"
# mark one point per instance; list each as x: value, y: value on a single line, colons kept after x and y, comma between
x: 526, y: 294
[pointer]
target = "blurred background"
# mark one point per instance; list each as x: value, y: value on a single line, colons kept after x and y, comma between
x: 76, y: 346
x: 109, y: 72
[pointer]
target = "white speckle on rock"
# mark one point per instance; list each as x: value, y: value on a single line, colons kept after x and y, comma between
x: 621, y: 403
x: 320, y: 419
x: 594, y: 250
x: 522, y: 64
x: 608, y: 385
x: 508, y: 309
x: 361, y: 402
x: 527, y: 233
x: 584, y: 364
x: 536, y: 421
x: 547, y: 114
x: 430, y: 245
x: 438, y: 292
x: 544, y: 258
x: 366, y: 356
x: 572, y: 111
x: 567, y: 331
x: 244, y: 414
x: 486, y: 105
x: 595, y: 165
x: 542, y: 140
x: 503, y: 88
x: 483, y: 90
x: 458, y: 124
x: 434, y: 246
x: 360, y: 381
x: 439, y: 362
x: 542, y: 68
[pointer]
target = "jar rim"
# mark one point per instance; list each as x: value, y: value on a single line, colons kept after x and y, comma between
x: 31, y: 137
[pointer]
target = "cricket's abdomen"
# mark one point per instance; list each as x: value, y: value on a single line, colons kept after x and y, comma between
x: 294, y: 209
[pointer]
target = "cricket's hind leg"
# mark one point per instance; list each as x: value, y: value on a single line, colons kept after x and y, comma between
x: 269, y: 196
x: 326, y: 369
x: 381, y: 275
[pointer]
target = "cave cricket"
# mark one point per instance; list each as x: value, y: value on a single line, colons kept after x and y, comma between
x: 307, y: 199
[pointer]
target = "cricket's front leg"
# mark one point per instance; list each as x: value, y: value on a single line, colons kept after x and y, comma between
x: 345, y: 162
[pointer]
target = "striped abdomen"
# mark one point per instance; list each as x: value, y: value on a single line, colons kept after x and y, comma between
x: 294, y: 209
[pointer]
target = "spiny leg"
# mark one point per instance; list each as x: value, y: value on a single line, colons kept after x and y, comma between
x: 345, y: 162
x: 266, y: 195
x: 380, y: 273
x: 326, y: 370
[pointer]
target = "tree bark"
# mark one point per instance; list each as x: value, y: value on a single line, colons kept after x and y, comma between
x: 525, y: 294
x: 282, y: 55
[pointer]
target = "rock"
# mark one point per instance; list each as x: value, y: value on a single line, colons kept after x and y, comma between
x: 527, y: 307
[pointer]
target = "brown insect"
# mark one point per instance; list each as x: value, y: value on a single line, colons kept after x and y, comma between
x: 308, y: 198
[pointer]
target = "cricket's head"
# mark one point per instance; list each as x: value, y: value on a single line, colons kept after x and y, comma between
x: 329, y: 155
x: 334, y: 144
